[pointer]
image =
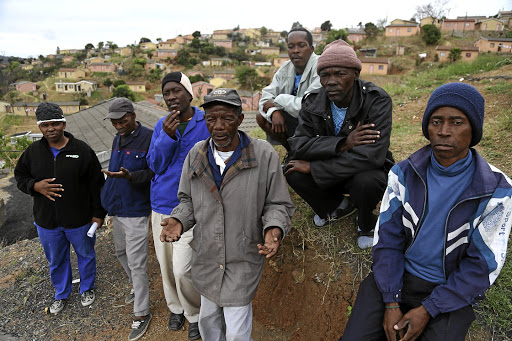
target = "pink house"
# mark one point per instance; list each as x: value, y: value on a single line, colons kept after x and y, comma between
x: 224, y: 43
x: 102, y: 67
x: 168, y: 53
x: 355, y: 35
x: 25, y: 86
x: 458, y: 25
x: 200, y: 89
x: 250, y: 100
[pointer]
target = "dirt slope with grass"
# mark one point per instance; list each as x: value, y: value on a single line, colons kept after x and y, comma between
x: 306, y: 291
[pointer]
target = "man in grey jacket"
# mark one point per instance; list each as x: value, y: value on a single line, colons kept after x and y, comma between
x: 242, y: 211
x: 281, y: 101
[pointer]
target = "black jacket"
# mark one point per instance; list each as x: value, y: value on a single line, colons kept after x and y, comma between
x: 77, y: 168
x: 315, y: 140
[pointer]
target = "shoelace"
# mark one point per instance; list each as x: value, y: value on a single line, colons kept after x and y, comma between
x: 136, y: 324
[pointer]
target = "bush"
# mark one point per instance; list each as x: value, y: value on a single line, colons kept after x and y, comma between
x: 430, y: 34
x: 118, y: 82
x: 124, y: 91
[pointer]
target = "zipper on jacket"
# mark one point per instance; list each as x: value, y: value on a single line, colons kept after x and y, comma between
x: 420, y: 221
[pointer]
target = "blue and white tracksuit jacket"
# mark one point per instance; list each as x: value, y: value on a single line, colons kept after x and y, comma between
x: 476, y: 232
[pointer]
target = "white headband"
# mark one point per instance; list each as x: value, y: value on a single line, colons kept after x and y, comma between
x: 52, y: 120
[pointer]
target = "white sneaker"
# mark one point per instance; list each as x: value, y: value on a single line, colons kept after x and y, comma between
x: 57, y: 306
x: 88, y: 297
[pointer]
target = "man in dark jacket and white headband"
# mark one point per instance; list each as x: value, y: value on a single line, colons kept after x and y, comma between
x: 341, y: 144
x: 64, y: 177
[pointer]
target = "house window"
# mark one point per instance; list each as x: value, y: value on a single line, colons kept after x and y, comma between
x: 60, y: 86
x: 381, y: 67
x: 468, y: 55
x: 447, y: 24
x: 390, y: 30
x: 467, y: 24
x: 409, y: 29
x: 443, y: 54
x: 71, y: 86
x: 492, y: 44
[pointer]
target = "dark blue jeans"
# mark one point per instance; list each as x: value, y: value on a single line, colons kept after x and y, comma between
x: 56, y: 248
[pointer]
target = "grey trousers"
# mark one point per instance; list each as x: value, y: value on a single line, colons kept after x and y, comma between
x: 225, y: 323
x: 131, y: 243
x: 175, y: 263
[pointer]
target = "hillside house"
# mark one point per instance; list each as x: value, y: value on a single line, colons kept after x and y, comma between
x: 430, y: 21
x: 147, y: 46
x: 124, y: 51
x: 468, y: 53
x: 271, y: 50
x: 71, y: 73
x: 402, y: 30
x: 29, y: 109
x: 27, y: 67
x: 137, y: 86
x: 250, y: 100
x: 153, y: 65
x: 5, y: 107
x: 169, y: 44
x: 492, y: 24
x: 102, y: 67
x: 355, y: 35
x: 497, y: 45
x: 91, y: 60
x: 225, y: 74
x: 74, y: 87
x: 374, y: 66
x: 458, y: 25
x: 25, y: 86
x: 164, y: 54
x: 218, y: 62
x: 200, y: 89
x: 226, y: 43
x: 221, y: 34
x: 217, y: 82
x: 369, y: 52
x: 280, y: 60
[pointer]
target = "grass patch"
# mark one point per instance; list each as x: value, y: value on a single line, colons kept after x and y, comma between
x: 499, y: 88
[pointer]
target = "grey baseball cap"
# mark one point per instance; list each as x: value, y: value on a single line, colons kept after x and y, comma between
x: 229, y: 96
x: 119, y: 107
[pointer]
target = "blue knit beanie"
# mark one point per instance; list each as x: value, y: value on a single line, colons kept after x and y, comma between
x: 463, y: 97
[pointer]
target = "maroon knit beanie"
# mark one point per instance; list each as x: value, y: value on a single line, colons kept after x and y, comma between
x: 338, y: 53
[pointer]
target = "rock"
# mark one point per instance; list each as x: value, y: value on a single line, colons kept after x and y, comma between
x: 298, y: 276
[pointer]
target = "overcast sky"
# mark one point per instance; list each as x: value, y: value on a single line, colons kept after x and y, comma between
x: 34, y: 27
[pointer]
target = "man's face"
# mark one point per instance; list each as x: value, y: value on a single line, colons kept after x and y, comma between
x: 299, y: 50
x: 53, y: 132
x: 125, y: 125
x: 222, y: 123
x: 338, y: 83
x: 450, y: 131
x: 176, y: 97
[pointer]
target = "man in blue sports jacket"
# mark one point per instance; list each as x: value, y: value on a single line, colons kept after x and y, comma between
x: 442, y: 234
x: 173, y: 136
x: 126, y: 198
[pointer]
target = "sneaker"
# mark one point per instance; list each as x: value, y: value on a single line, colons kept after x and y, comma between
x: 364, y: 239
x: 88, y: 297
x: 57, y: 306
x: 176, y: 321
x: 130, y: 298
x: 193, y: 331
x: 337, y: 214
x: 138, y: 328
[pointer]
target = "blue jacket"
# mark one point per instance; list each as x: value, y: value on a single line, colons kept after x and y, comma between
x: 476, y: 232
x: 166, y: 157
x: 121, y: 197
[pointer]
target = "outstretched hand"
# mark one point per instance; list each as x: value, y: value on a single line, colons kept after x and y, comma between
x: 51, y: 191
x: 171, y: 230
x: 272, y: 241
x: 122, y: 174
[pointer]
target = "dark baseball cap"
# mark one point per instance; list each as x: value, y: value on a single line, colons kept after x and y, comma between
x: 119, y: 107
x: 229, y: 96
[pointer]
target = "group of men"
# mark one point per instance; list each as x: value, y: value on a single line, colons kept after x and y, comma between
x: 220, y: 206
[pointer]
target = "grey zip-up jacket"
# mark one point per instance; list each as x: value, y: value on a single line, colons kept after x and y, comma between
x: 280, y: 90
x: 231, y: 221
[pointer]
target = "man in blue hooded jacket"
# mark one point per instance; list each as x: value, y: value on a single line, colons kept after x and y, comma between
x: 173, y: 136
x: 441, y: 238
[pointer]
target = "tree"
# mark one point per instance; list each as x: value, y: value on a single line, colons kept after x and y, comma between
x: 249, y: 78
x: 263, y: 30
x: 326, y: 26
x: 196, y: 34
x: 336, y: 35
x: 455, y: 54
x: 144, y: 40
x: 124, y: 91
x: 284, y: 34
x: 100, y: 45
x: 196, y: 78
x: 58, y: 50
x: 381, y: 23
x: 13, y: 97
x: 239, y: 55
x: 159, y: 40
x: 107, y: 82
x: 118, y: 82
x: 430, y: 34
x: 182, y: 57
x: 296, y: 24
x: 236, y: 28
x: 371, y: 30
x: 111, y: 46
x: 89, y: 46
x: 436, y: 10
